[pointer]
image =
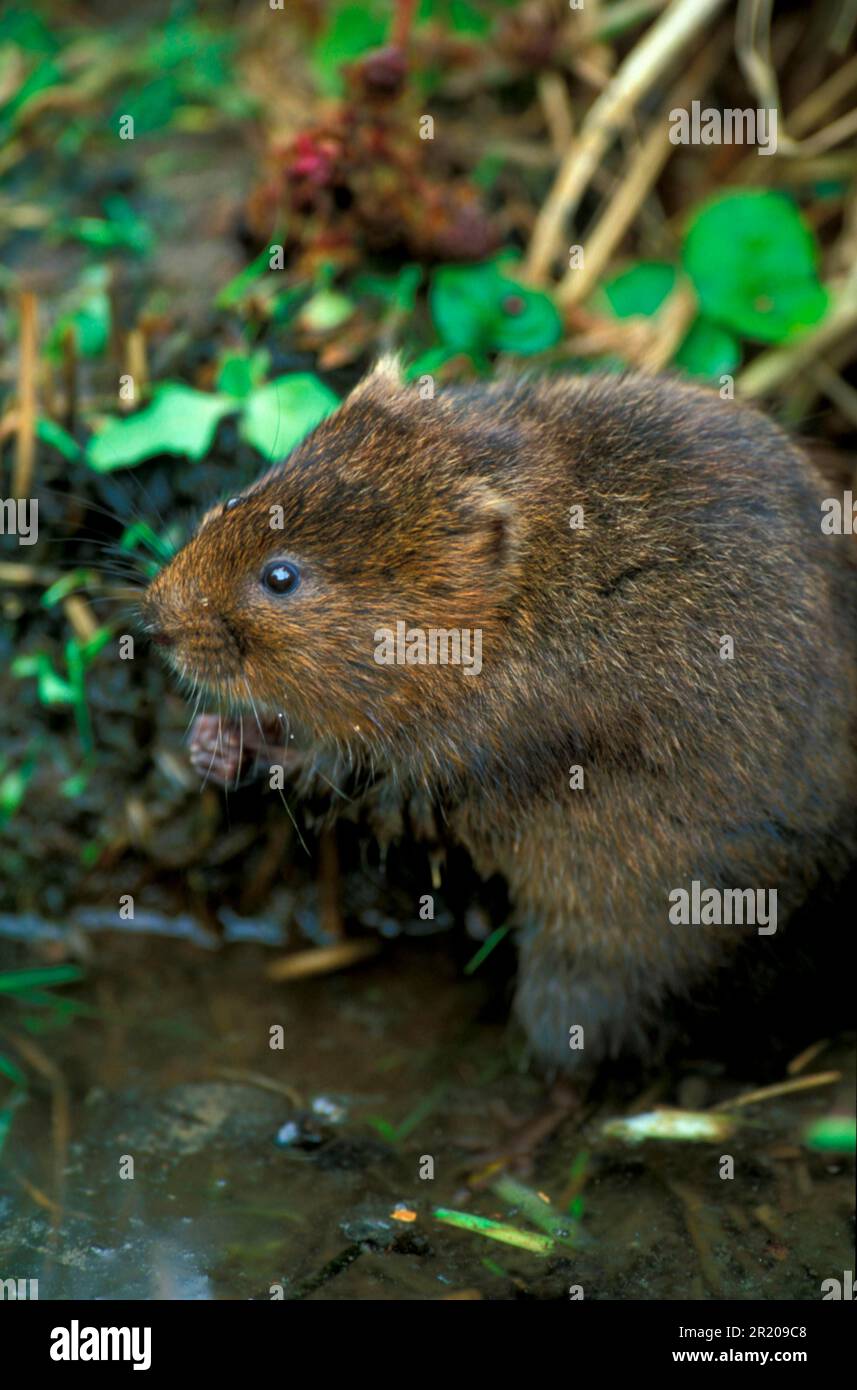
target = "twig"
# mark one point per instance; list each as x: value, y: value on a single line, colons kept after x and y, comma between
x: 815, y: 107
x: 672, y: 322
x: 623, y: 15
x: 26, y: 445
x: 80, y: 616
x: 556, y: 106
x: 704, y: 1230
x: 265, y: 1083
x: 60, y: 1116
x: 135, y: 363
x: 808, y: 1055
x: 831, y: 384
x: 782, y: 1088
x: 322, y: 959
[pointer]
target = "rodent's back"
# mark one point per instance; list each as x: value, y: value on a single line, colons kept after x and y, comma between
x: 699, y: 522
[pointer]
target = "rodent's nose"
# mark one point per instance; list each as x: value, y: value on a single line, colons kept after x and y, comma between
x: 162, y: 639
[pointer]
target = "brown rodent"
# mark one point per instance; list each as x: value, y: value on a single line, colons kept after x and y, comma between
x: 602, y: 649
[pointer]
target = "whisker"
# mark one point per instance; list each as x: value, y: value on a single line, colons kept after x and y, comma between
x: 279, y: 789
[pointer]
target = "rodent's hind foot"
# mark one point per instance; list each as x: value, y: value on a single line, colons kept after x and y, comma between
x: 575, y: 1019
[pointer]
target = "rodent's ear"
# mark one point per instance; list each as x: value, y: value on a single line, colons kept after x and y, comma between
x: 493, y: 524
x: 382, y: 383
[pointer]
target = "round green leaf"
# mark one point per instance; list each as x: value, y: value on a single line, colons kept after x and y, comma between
x: 278, y: 416
x: 479, y: 308
x: 462, y: 304
x: 528, y: 322
x: 752, y: 260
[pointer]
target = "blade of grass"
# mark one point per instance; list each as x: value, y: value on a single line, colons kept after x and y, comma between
x: 486, y: 948
x: 495, y: 1230
x: 45, y: 977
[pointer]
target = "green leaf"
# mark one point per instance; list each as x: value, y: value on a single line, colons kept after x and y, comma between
x: 75, y: 785
x: 40, y: 977
x: 233, y: 292
x: 52, y: 689
x: 326, y: 310
x: 708, y: 351
x: 284, y: 306
x: 430, y: 362
x: 641, y: 289
x: 51, y: 433
x: 6, y: 1114
x: 352, y: 31
x: 831, y: 1134
x: 13, y: 787
x: 14, y: 1073
x: 43, y: 76
x: 27, y: 30
x: 752, y: 260
x: 120, y: 230
x: 398, y: 291
x: 238, y: 375
x: 278, y: 416
x: 482, y: 308
x: 459, y: 15
x: 56, y: 592
x: 141, y: 533
x: 88, y: 317
x: 179, y: 421
x: 80, y: 655
x: 486, y: 948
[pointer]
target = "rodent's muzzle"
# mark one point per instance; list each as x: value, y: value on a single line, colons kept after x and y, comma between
x: 198, y: 639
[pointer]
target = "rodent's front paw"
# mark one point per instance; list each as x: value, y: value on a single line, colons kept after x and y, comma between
x: 216, y: 749
x: 224, y: 751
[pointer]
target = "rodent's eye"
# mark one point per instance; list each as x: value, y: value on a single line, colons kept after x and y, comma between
x: 280, y: 577
x: 233, y: 502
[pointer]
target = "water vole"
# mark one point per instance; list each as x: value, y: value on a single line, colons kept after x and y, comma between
x: 665, y: 693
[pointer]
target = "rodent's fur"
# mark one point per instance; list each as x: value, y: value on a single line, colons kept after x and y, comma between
x: 601, y: 649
